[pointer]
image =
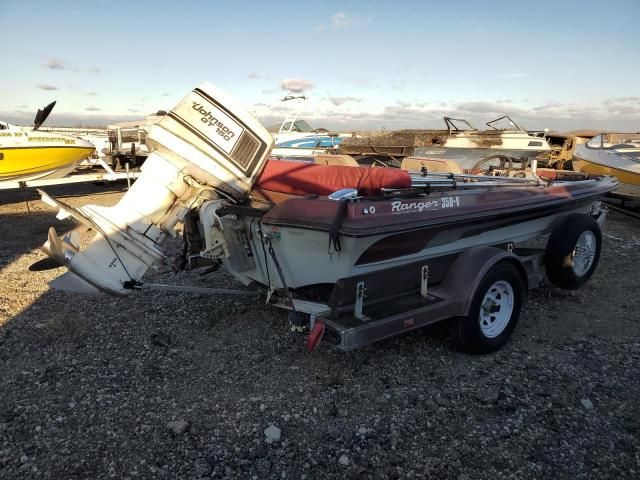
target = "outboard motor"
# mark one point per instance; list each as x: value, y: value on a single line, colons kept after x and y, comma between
x: 207, y: 148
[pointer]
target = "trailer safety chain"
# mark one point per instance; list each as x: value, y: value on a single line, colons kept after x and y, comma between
x: 272, y: 252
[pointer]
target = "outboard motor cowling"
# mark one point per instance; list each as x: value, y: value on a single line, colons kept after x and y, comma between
x: 206, y: 147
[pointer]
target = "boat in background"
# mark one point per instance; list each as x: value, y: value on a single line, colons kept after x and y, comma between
x: 616, y: 154
x: 460, y: 141
x: 292, y: 128
x: 306, y: 148
x: 127, y: 141
x: 27, y: 155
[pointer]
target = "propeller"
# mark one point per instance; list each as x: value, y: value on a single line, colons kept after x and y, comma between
x: 42, y: 115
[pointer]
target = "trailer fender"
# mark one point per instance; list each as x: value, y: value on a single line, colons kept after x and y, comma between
x: 467, y: 271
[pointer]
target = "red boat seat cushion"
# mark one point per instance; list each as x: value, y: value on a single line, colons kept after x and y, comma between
x: 297, y: 178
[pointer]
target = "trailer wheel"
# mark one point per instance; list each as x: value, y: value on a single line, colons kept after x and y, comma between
x: 494, y: 313
x: 573, y: 251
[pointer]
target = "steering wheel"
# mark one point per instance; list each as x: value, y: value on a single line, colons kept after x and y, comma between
x: 503, y: 159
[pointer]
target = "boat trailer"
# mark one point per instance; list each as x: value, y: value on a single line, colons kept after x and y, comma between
x: 368, y: 308
x: 481, y: 288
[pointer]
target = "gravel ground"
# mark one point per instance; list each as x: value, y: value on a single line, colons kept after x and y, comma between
x: 182, y: 386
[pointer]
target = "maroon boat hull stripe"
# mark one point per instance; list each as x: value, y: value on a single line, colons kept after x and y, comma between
x: 411, y: 242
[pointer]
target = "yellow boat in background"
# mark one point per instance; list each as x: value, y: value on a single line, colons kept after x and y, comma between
x: 616, y: 154
x: 32, y: 155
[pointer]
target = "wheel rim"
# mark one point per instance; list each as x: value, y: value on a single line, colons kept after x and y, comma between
x: 496, y: 309
x: 584, y: 253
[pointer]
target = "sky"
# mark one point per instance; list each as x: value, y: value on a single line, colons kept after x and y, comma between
x: 559, y: 64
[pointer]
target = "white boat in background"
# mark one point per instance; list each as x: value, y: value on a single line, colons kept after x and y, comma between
x: 460, y: 142
x: 616, y: 154
x: 292, y: 128
x: 127, y: 141
x: 467, y: 145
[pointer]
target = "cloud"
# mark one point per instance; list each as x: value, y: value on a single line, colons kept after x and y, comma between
x: 54, y: 64
x: 420, y: 114
x: 133, y: 110
x: 479, y: 107
x: 343, y: 20
x: 611, y: 101
x: 506, y: 100
x: 93, y: 94
x: 44, y: 86
x: 296, y: 85
x: 258, y: 76
x: 66, y: 119
x: 341, y: 100
x: 166, y: 94
x: 93, y: 109
x: 548, y: 107
x: 626, y: 109
x: 94, y: 70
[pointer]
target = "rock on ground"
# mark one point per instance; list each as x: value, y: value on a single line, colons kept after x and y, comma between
x: 88, y: 384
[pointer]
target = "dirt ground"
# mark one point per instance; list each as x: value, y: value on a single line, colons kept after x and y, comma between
x: 171, y: 386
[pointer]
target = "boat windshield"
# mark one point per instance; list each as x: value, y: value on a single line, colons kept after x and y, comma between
x: 457, y: 125
x: 505, y: 123
x: 297, y: 126
x: 615, y: 141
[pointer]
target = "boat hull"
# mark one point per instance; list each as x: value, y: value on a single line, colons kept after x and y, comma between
x: 305, y: 260
x: 397, y: 234
x: 31, y: 163
x: 622, y: 164
x: 629, y: 182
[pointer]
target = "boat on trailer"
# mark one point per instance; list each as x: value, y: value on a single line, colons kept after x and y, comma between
x: 358, y: 253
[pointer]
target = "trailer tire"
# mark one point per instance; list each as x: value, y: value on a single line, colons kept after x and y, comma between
x: 494, y: 311
x: 573, y: 251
